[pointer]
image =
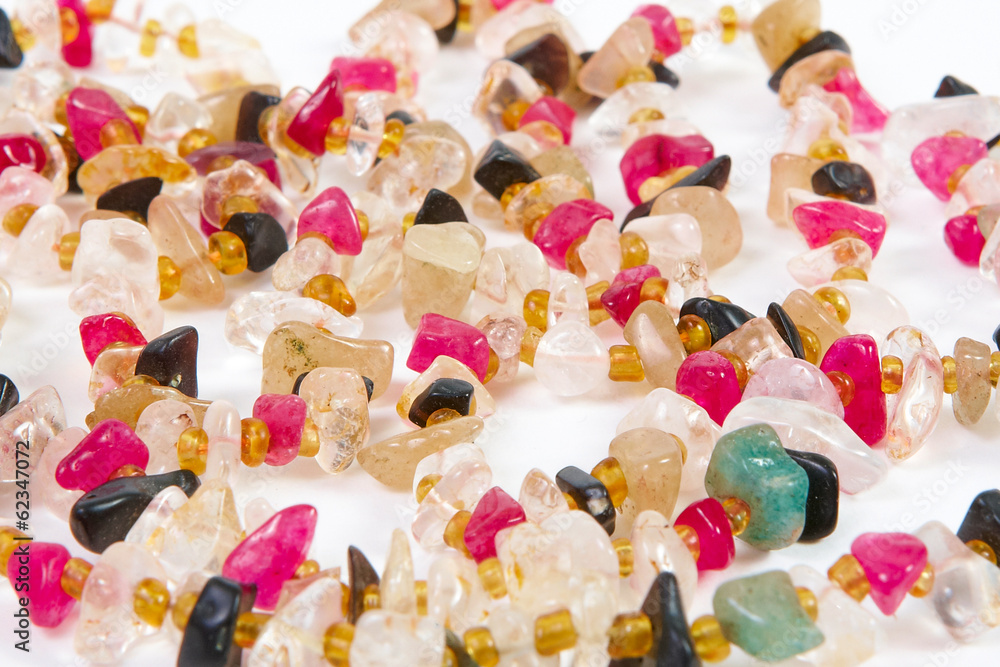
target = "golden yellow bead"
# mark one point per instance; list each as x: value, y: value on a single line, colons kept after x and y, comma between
x: 454, y: 532
x: 740, y: 366
x: 626, y: 556
x: 573, y: 262
x: 74, y: 576
x: 492, y: 366
x: 827, y: 149
x: 195, y: 139
x: 654, y: 289
x: 554, y: 633
x: 811, y: 344
x: 655, y: 185
x: 611, y: 475
x: 442, y: 415
x: 685, y: 28
x: 924, y: 583
x: 220, y: 163
x: 127, y: 470
x: 995, y: 368
x: 227, y: 252
x: 170, y: 276
x: 183, y: 606
x: 570, y: 501
x: 192, y: 450
x: 625, y: 364
x: 362, y: 224
x: 145, y: 380
x: 689, y: 536
x: 509, y: 193
x: 187, y: 41
x: 491, y: 576
x: 25, y: 38
x: 536, y: 309
x: 738, y: 513
x: 892, y: 374
x: 309, y: 444
x: 950, y: 374
x: 332, y: 291
x: 694, y: 333
x: 335, y: 141
x: 117, y: 132
x: 834, y: 301
x: 392, y: 136
x: 956, y: 177
x: 371, y: 597
x: 151, y: 32
x: 849, y: 273
x: 10, y: 539
x: 709, y: 642
x: 17, y: 217
x: 719, y: 298
x: 635, y: 250
x: 529, y: 344
x: 850, y: 576
x: 844, y: 384
x: 308, y: 568
x: 730, y: 23
x: 254, y: 441
x: 249, y: 625
x: 595, y: 308
x: 420, y: 591
x: 139, y: 115
x: 808, y: 601
x: 640, y: 74
x: 424, y: 486
x: 983, y: 549
x: 151, y: 601
x: 479, y: 643
x: 645, y: 115
x: 630, y: 635
x: 69, y: 25
x: 512, y: 114
x: 534, y: 215
x: 337, y: 644
x: 236, y: 204
x: 408, y: 220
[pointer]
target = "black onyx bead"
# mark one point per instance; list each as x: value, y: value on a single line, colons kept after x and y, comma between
x: 360, y: 575
x: 263, y: 237
x: 712, y: 174
x: 447, y: 33
x: 402, y: 116
x: 722, y: 318
x: 502, y: 167
x: 786, y: 329
x: 586, y: 55
x: 208, y: 635
x: 172, y: 360
x: 672, y: 643
x: 457, y: 646
x: 952, y: 87
x: 823, y: 500
x: 664, y: 74
x: 589, y: 494
x: 442, y: 394
x: 993, y: 142
x: 73, y: 158
x: 439, y: 207
x: 641, y: 211
x: 547, y: 60
x: 844, y: 180
x: 135, y: 195
x: 8, y: 394
x: 248, y: 120
x: 298, y: 382
x: 369, y: 386
x: 106, y: 514
x: 10, y: 53
x: 825, y: 41
x: 982, y: 521
x: 996, y: 337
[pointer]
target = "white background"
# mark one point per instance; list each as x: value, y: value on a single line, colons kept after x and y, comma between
x: 901, y: 50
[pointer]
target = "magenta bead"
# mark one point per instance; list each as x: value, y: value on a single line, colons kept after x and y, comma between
x: 964, y: 239
x: 99, y: 331
x: 818, y: 221
x: 438, y: 335
x: 285, y: 416
x: 709, y: 379
x: 308, y: 128
x: 566, y: 223
x: 111, y: 445
x: 38, y: 566
x: 936, y: 159
x: 715, y: 536
x: 621, y: 299
x: 869, y: 115
x: 270, y: 555
x: 87, y: 111
x: 656, y: 154
x: 495, y: 511
x: 22, y: 150
x: 365, y: 73
x: 637, y: 274
x: 554, y: 111
x: 79, y: 52
x: 892, y: 562
x: 332, y: 214
x: 858, y: 357
x: 666, y: 36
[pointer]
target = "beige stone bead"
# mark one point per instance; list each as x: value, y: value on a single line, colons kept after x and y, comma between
x: 806, y: 311
x: 721, y: 231
x: 651, y: 461
x: 563, y: 160
x: 176, y: 238
x: 756, y: 342
x: 127, y: 403
x: 651, y: 329
x: 817, y: 69
x: 446, y: 367
x: 112, y: 367
x: 788, y: 170
x: 972, y: 366
x: 224, y: 107
x: 630, y: 46
x: 439, y: 268
x: 396, y: 585
x: 783, y: 26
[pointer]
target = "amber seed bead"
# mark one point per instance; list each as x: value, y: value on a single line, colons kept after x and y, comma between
x: 237, y: 204
x: 187, y: 41
x: 573, y: 262
x: 127, y: 470
x: 827, y: 149
x: 709, y: 642
x: 834, y: 301
x: 571, y: 501
x: 738, y: 513
x: 635, y: 250
x: 336, y: 136
x: 645, y: 115
x: 654, y: 289
x: 491, y: 576
x: 810, y: 344
x: 510, y: 192
x: 17, y: 217
x: 69, y: 25
x: 337, y: 643
x: 182, y: 609
x: 596, y: 309
x: 74, y: 576
x: 117, y: 132
x: 146, y: 380
x: 308, y: 569
x: 9, y: 540
x: 332, y: 291
x: 694, y: 333
x: 481, y: 647
x: 892, y: 374
x: 625, y: 364
x: 529, y: 344
x: 689, y: 536
x: 950, y: 374
x: 610, y: 473
x: 850, y: 576
x: 309, y: 444
x: 554, y: 632
x: 626, y: 556
x: 639, y: 74
x: 956, y: 176
x: 151, y: 32
x: 630, y: 635
x: 983, y: 549
x: 924, y: 583
x: 170, y: 277
x: 362, y: 223
x: 150, y: 601
x: 195, y: 139
x: 844, y: 384
x: 808, y: 601
x: 25, y: 38
x: 740, y: 366
x: 139, y: 115
x: 424, y: 486
x: 512, y: 114
x: 392, y: 136
x: 995, y: 368
x: 536, y: 309
x: 192, y: 450
x: 254, y: 441
x: 249, y: 625
x: 685, y: 27
x: 371, y: 598
x: 492, y: 366
x: 449, y: 659
x: 849, y: 273
x: 454, y: 532
x: 730, y: 23
x: 67, y: 250
x: 227, y: 252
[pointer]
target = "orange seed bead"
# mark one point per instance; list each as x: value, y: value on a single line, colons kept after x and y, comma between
x: 17, y: 217
x: 573, y: 262
x: 491, y: 576
x: 187, y: 41
x: 740, y: 366
x: 694, y: 333
x: 529, y: 344
x: 983, y: 549
x: 512, y: 114
x: 424, y: 486
x: 192, y: 450
x: 950, y: 374
x: 332, y: 291
x: 181, y: 611
x: 249, y: 625
x: 481, y: 647
x: 194, y: 140
x: 610, y: 473
x: 654, y: 289
x: 150, y: 601
x: 67, y: 249
x: 630, y: 635
x: 554, y: 633
x: 689, y: 536
x: 835, y: 301
x: 849, y: 273
x: 808, y: 601
x: 454, y: 532
x: 625, y: 364
x: 844, y: 385
x: 626, y: 556
x: 892, y: 374
x: 227, y: 252
x: 635, y: 250
x: 170, y: 277
x: 254, y: 441
x: 596, y: 309
x: 710, y: 643
x: 536, y: 309
x: 151, y: 32
x: 850, y: 576
x: 117, y: 132
x: 811, y: 344
x: 74, y: 576
x: 739, y: 514
x: 925, y: 583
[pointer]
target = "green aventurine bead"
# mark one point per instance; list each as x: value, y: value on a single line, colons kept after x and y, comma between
x: 762, y: 615
x: 750, y: 464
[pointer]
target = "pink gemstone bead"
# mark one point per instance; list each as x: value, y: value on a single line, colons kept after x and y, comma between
x: 21, y: 150
x: 500, y: 5
x: 87, y: 111
x: 99, y: 331
x: 857, y: 356
x: 111, y: 445
x: 715, y: 536
x: 818, y: 221
x: 892, y: 562
x: 495, y: 511
x: 365, y: 73
x: 269, y: 556
x: 666, y: 36
x: 39, y: 565
x: 656, y: 154
x: 936, y: 159
x: 964, y: 239
x: 438, y: 335
x: 308, y: 128
x: 79, y: 52
x: 285, y: 416
x: 332, y: 214
x: 566, y: 223
x: 709, y: 379
x: 637, y: 274
x: 554, y: 111
x: 621, y: 299
x: 869, y: 115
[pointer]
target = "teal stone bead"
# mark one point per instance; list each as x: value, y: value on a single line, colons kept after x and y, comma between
x: 762, y: 615
x: 750, y: 464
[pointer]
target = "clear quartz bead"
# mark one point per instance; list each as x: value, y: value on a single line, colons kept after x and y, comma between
x: 540, y: 498
x: 396, y: 587
x: 914, y: 410
x: 571, y: 359
x: 461, y: 487
x: 600, y: 253
x: 668, y: 237
x: 39, y: 86
x: 159, y: 426
x: 365, y: 135
x: 337, y: 402
x: 446, y: 367
x: 255, y: 315
x: 612, y: 117
x: 756, y: 342
x: 455, y: 594
x: 373, y: 273
x: 423, y: 162
x: 58, y: 500
x: 874, y: 311
x: 439, y: 268
x: 505, y: 276
x: 309, y: 257
x: 390, y: 639
x: 159, y: 509
x: 567, y: 300
x: 795, y: 379
x: 35, y: 255
x: 658, y: 548
x: 439, y: 463
x: 112, y: 367
x: 815, y: 267
x: 173, y: 117
x: 504, y: 334
x: 256, y: 513
x: 294, y: 635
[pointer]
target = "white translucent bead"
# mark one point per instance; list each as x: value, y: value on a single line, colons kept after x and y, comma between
x: 256, y: 513
x: 612, y: 117
x: 455, y: 594
x: 255, y: 315
x: 388, y: 639
x: 797, y: 380
x: 460, y: 488
x: 540, y: 497
x: 571, y: 359
x: 365, y: 135
x: 505, y: 276
x: 913, y: 411
x: 439, y: 463
x: 658, y: 548
x: 874, y: 311
x: 567, y: 300
x: 817, y: 266
x: 600, y: 253
x: 307, y: 258
x: 159, y: 426
x: 294, y: 635
x: 668, y: 237
x: 222, y: 420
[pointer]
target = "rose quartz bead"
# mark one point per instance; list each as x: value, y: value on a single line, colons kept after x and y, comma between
x: 40, y: 566
x: 269, y: 556
x: 937, y: 158
x: 892, y: 562
x: 285, y: 416
x: 108, y: 447
x: 439, y: 335
x: 22, y: 150
x: 332, y: 214
x: 308, y: 128
x: 367, y: 73
x: 709, y: 379
x: 797, y: 380
x: 666, y: 37
x: 87, y: 111
x: 715, y: 537
x: 621, y: 299
x: 858, y: 357
x: 554, y: 111
x: 566, y: 223
x: 820, y: 221
x: 79, y: 52
x: 656, y: 154
x: 99, y: 331
x: 964, y: 238
x: 495, y: 511
x: 869, y: 115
